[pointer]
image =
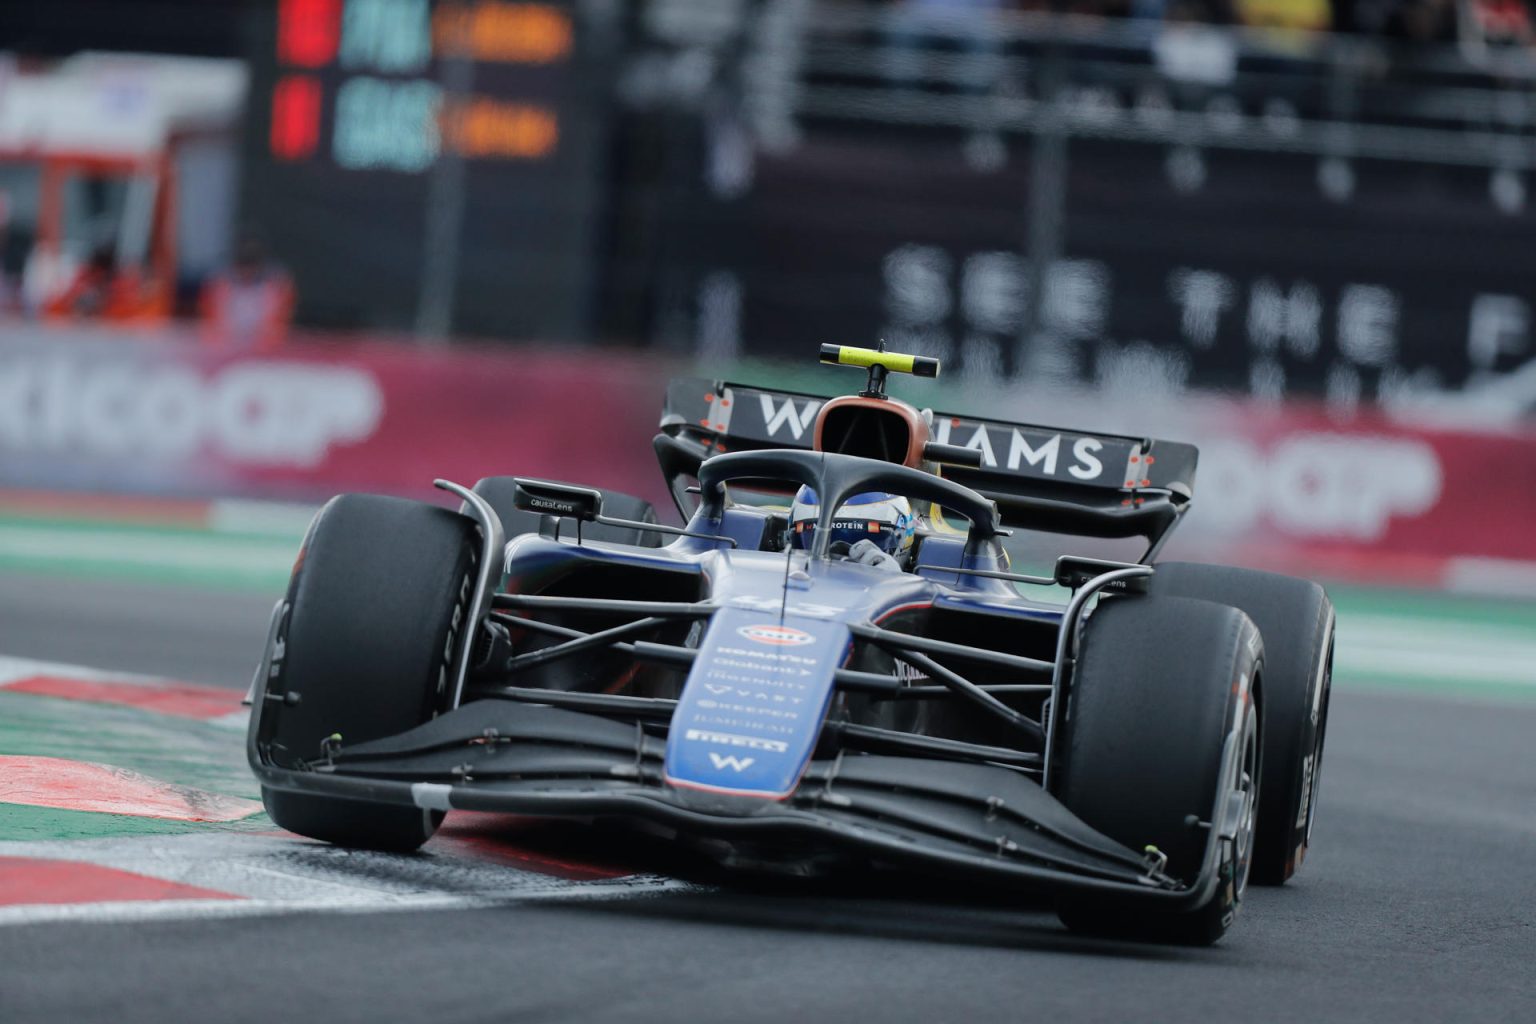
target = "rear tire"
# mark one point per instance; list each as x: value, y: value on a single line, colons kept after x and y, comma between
x: 1156, y: 690
x: 377, y: 604
x: 498, y: 491
x: 1296, y: 619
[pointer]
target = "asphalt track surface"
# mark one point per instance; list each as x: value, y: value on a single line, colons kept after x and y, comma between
x: 1416, y: 904
x: 178, y: 632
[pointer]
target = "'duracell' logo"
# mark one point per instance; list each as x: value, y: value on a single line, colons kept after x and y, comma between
x: 776, y: 636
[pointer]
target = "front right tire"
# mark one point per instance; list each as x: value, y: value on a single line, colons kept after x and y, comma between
x: 377, y: 613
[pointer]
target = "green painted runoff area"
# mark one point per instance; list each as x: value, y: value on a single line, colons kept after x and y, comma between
x: 206, y: 558
x: 181, y: 751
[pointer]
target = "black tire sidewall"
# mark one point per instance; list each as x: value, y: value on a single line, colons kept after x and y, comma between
x: 1154, y: 696
x: 1295, y: 618
x: 377, y: 613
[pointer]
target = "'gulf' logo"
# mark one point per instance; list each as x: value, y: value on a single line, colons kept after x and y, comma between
x: 777, y: 636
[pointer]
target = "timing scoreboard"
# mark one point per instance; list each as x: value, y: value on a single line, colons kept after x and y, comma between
x: 356, y: 106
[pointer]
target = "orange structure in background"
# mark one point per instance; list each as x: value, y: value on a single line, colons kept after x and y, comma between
x: 485, y: 127
x: 101, y: 287
x: 103, y: 137
x: 249, y: 305
x: 496, y: 32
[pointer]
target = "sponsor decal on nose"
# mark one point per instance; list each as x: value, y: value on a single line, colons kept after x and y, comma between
x: 723, y: 761
x: 777, y: 636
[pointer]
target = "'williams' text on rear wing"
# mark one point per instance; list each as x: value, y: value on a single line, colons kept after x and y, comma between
x: 1042, y: 478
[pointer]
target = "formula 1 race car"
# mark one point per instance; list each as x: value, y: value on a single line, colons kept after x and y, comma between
x: 821, y: 667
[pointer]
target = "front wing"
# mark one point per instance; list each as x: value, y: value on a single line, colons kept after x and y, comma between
x: 939, y: 816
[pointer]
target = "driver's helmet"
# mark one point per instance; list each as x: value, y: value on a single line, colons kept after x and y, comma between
x: 885, y: 519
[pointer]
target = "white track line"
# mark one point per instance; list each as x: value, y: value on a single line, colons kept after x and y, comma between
x: 189, y: 910
x: 272, y: 874
x: 12, y: 669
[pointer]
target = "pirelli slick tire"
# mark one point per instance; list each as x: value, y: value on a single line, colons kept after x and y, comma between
x: 1159, y: 686
x: 1296, y: 619
x: 376, y: 618
x: 498, y: 493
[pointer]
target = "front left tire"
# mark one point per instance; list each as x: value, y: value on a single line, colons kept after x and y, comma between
x: 1159, y: 686
x: 1296, y: 619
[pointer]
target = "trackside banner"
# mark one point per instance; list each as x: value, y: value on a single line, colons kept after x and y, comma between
x: 1288, y: 487
x: 173, y: 418
x: 1294, y: 489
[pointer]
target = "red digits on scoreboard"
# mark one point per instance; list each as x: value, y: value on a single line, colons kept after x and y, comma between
x: 308, y: 31
x: 295, y: 117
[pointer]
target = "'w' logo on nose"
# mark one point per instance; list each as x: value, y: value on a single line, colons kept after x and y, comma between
x: 723, y: 761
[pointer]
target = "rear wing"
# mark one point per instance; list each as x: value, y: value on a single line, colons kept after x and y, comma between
x: 1042, y: 478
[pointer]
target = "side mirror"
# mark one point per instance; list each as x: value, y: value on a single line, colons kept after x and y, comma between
x: 550, y: 499
x: 952, y: 454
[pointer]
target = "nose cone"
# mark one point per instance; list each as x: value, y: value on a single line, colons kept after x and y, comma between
x: 752, y: 708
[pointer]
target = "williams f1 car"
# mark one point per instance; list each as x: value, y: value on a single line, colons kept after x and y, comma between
x: 831, y: 662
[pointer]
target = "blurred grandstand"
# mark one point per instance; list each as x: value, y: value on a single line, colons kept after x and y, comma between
x: 1297, y: 231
